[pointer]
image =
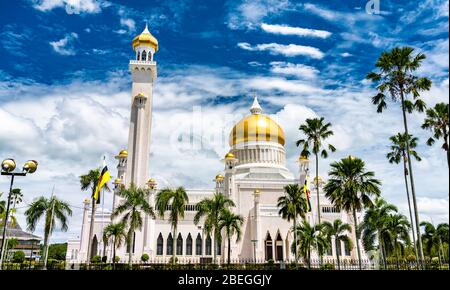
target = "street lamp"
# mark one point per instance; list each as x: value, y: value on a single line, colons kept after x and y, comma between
x: 7, y: 168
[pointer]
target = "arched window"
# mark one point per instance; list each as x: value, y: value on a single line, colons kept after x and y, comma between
x: 208, y: 245
x: 169, y: 246
x: 279, y: 247
x: 159, y: 245
x: 268, y: 247
x: 179, y: 244
x: 134, y: 244
x: 218, y: 247
x: 198, y: 245
x: 139, y: 55
x: 189, y: 245
x: 144, y: 55
x: 94, y: 246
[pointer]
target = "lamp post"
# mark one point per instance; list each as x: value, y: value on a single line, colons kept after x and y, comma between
x: 8, y: 166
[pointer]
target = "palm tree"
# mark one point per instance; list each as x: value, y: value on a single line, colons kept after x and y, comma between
x: 433, y: 238
x: 11, y: 244
x: 132, y: 208
x: 292, y: 205
x: 351, y: 187
x: 232, y: 224
x: 90, y: 181
x: 338, y: 230
x: 51, y: 209
x: 397, y: 80
x: 175, y: 201
x: 398, y: 154
x: 211, y: 209
x: 118, y: 233
x: 375, y: 226
x: 309, y: 238
x: 398, y: 228
x: 316, y: 132
x: 437, y: 121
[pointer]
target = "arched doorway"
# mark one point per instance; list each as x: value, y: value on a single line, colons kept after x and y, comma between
x: 94, y: 247
x: 268, y: 245
x: 279, y: 248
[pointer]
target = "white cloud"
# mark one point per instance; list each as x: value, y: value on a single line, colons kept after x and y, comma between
x: 289, y: 50
x: 289, y: 30
x: 345, y: 54
x: 71, y: 6
x: 127, y: 23
x: 64, y: 46
x: 292, y: 69
x: 249, y: 14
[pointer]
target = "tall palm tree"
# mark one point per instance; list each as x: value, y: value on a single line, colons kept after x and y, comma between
x: 51, y: 209
x: 375, y: 226
x: 175, y: 201
x: 316, y: 131
x: 437, y: 122
x: 292, y: 205
x: 132, y: 209
x: 231, y: 223
x: 338, y: 230
x: 310, y: 237
x: 396, y: 79
x: 399, y: 227
x: 211, y: 209
x: 398, y: 154
x: 118, y: 234
x: 89, y: 181
x: 351, y: 187
x: 434, y: 237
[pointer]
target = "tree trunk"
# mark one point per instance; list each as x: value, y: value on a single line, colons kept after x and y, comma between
x: 174, y: 245
x: 295, y: 241
x: 357, y: 239
x: 337, y: 252
x: 413, y: 190
x: 382, y: 251
x: 229, y: 250
x: 91, y: 232
x: 317, y: 189
x: 309, y: 258
x: 130, y: 250
x: 405, y: 171
x: 114, y: 254
x: 46, y: 235
x: 214, y: 245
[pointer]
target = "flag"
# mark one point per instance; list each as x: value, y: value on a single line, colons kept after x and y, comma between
x: 307, y: 194
x: 102, y: 180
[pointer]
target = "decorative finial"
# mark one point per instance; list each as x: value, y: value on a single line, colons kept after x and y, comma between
x: 256, y: 108
x: 146, y: 29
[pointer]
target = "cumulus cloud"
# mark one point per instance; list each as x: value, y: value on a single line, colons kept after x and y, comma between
x: 289, y: 50
x: 64, y: 46
x: 298, y: 31
x: 71, y: 6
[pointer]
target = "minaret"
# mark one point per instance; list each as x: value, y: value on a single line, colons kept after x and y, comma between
x: 143, y: 70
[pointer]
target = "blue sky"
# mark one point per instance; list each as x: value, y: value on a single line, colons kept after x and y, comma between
x: 65, y: 88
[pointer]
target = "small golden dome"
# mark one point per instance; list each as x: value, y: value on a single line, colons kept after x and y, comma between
x: 256, y: 192
x: 229, y: 155
x: 145, y: 38
x: 86, y: 200
x: 151, y: 180
x: 219, y: 177
x: 256, y: 127
x: 303, y: 157
x: 123, y: 153
x: 117, y: 181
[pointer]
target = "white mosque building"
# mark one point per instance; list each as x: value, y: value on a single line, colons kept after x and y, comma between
x: 254, y: 176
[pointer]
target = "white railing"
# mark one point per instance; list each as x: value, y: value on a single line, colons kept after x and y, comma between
x: 142, y: 62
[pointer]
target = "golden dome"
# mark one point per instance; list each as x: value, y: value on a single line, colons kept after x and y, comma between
x: 8, y: 165
x: 145, y: 38
x: 256, y: 127
x: 219, y: 177
x: 151, y: 180
x: 123, y: 153
x: 229, y: 155
x: 302, y: 157
x: 87, y: 200
x: 117, y: 181
x: 30, y: 166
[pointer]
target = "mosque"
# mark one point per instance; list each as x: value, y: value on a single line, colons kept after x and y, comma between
x: 253, y: 176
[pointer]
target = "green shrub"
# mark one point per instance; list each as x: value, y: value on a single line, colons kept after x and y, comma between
x: 117, y: 259
x: 145, y: 258
x: 18, y: 257
x: 171, y: 260
x: 96, y: 259
x: 327, y: 266
x: 411, y: 258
